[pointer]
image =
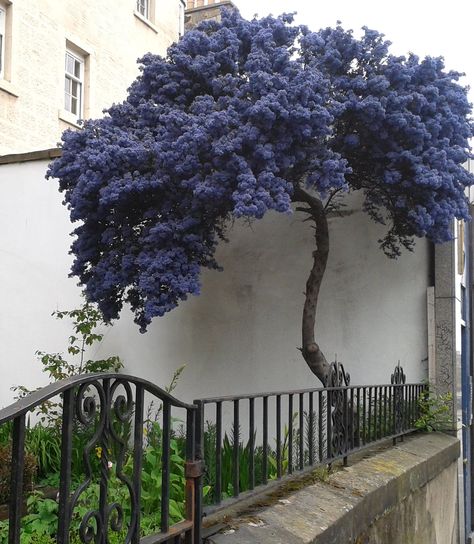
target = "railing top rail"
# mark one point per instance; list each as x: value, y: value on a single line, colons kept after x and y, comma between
x: 38, y: 397
x: 230, y: 398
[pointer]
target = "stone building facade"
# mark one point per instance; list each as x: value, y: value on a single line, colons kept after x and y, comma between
x: 201, y: 10
x: 62, y: 61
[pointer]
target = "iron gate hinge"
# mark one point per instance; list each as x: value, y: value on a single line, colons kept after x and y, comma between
x: 194, y: 469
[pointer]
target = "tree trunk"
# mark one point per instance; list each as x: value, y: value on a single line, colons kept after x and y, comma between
x: 311, y: 351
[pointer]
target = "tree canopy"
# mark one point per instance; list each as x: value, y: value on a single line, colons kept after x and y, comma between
x: 243, y: 117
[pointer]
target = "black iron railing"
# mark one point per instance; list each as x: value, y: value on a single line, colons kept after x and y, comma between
x: 109, y: 409
x: 248, y: 443
x: 257, y: 440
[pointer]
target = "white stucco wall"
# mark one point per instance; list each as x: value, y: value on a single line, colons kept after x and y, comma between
x: 241, y: 334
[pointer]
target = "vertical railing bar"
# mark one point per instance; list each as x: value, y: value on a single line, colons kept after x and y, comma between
x: 265, y: 440
x: 64, y: 519
x: 190, y: 481
x: 290, y: 434
x: 421, y: 390
x: 252, y: 442
x: 236, y: 448
x: 329, y: 449
x: 345, y: 421
x: 351, y: 418
x: 364, y: 416
x: 278, y: 435
x: 358, y: 437
x: 380, y: 411
x: 375, y: 414
x: 413, y: 400
x: 16, y: 482
x: 392, y: 408
x: 406, y: 407
x: 320, y: 425
x: 369, y: 419
x: 190, y: 434
x: 165, y: 467
x: 393, y: 418
x: 199, y: 456
x: 311, y: 429
x: 384, y: 432
x: 218, y: 483
x: 417, y: 396
x: 104, y: 469
x: 301, y: 435
x: 402, y: 390
x: 137, y: 461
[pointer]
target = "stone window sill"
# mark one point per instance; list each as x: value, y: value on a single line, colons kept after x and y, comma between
x: 146, y: 21
x: 9, y: 88
x: 69, y: 118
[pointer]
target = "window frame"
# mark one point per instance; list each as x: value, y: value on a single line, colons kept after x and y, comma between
x: 182, y: 17
x: 145, y: 5
x: 3, y: 39
x: 72, y: 78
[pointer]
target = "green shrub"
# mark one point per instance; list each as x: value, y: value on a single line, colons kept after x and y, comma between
x: 85, y: 322
x: 435, y: 411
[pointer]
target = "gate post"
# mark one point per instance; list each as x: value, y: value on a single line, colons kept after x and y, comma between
x: 199, y: 457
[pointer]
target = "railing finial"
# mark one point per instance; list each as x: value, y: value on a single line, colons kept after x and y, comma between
x: 398, y: 377
x: 337, y: 376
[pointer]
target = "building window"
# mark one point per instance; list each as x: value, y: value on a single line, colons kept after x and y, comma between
x: 143, y: 8
x: 182, y: 9
x: 74, y: 84
x: 3, y: 17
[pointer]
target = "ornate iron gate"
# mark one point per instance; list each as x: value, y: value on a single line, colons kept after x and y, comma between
x: 110, y: 408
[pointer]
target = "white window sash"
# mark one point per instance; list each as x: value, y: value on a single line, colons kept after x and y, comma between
x: 74, y: 85
x: 143, y: 7
x: 182, y: 8
x: 2, y: 42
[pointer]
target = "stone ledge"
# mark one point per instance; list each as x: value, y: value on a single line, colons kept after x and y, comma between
x: 339, y: 510
x: 40, y: 155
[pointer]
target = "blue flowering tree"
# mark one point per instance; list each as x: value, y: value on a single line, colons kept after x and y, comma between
x: 243, y: 117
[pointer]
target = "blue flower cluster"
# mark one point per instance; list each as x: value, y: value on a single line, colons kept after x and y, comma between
x: 237, y: 115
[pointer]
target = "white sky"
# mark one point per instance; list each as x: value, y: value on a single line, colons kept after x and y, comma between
x: 424, y: 27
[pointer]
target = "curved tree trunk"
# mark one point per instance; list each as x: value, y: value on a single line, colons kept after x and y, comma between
x: 311, y: 351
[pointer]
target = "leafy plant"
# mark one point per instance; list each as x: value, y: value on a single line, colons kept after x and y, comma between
x: 41, y: 520
x: 44, y: 443
x: 434, y: 411
x: 85, y: 322
x: 43, y: 440
x: 153, y: 414
x: 244, y: 453
x: 152, y: 476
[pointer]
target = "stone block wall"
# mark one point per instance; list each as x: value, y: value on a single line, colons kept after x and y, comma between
x: 111, y: 33
x: 405, y: 494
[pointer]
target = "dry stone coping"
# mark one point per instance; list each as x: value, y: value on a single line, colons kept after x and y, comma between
x: 337, y: 510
